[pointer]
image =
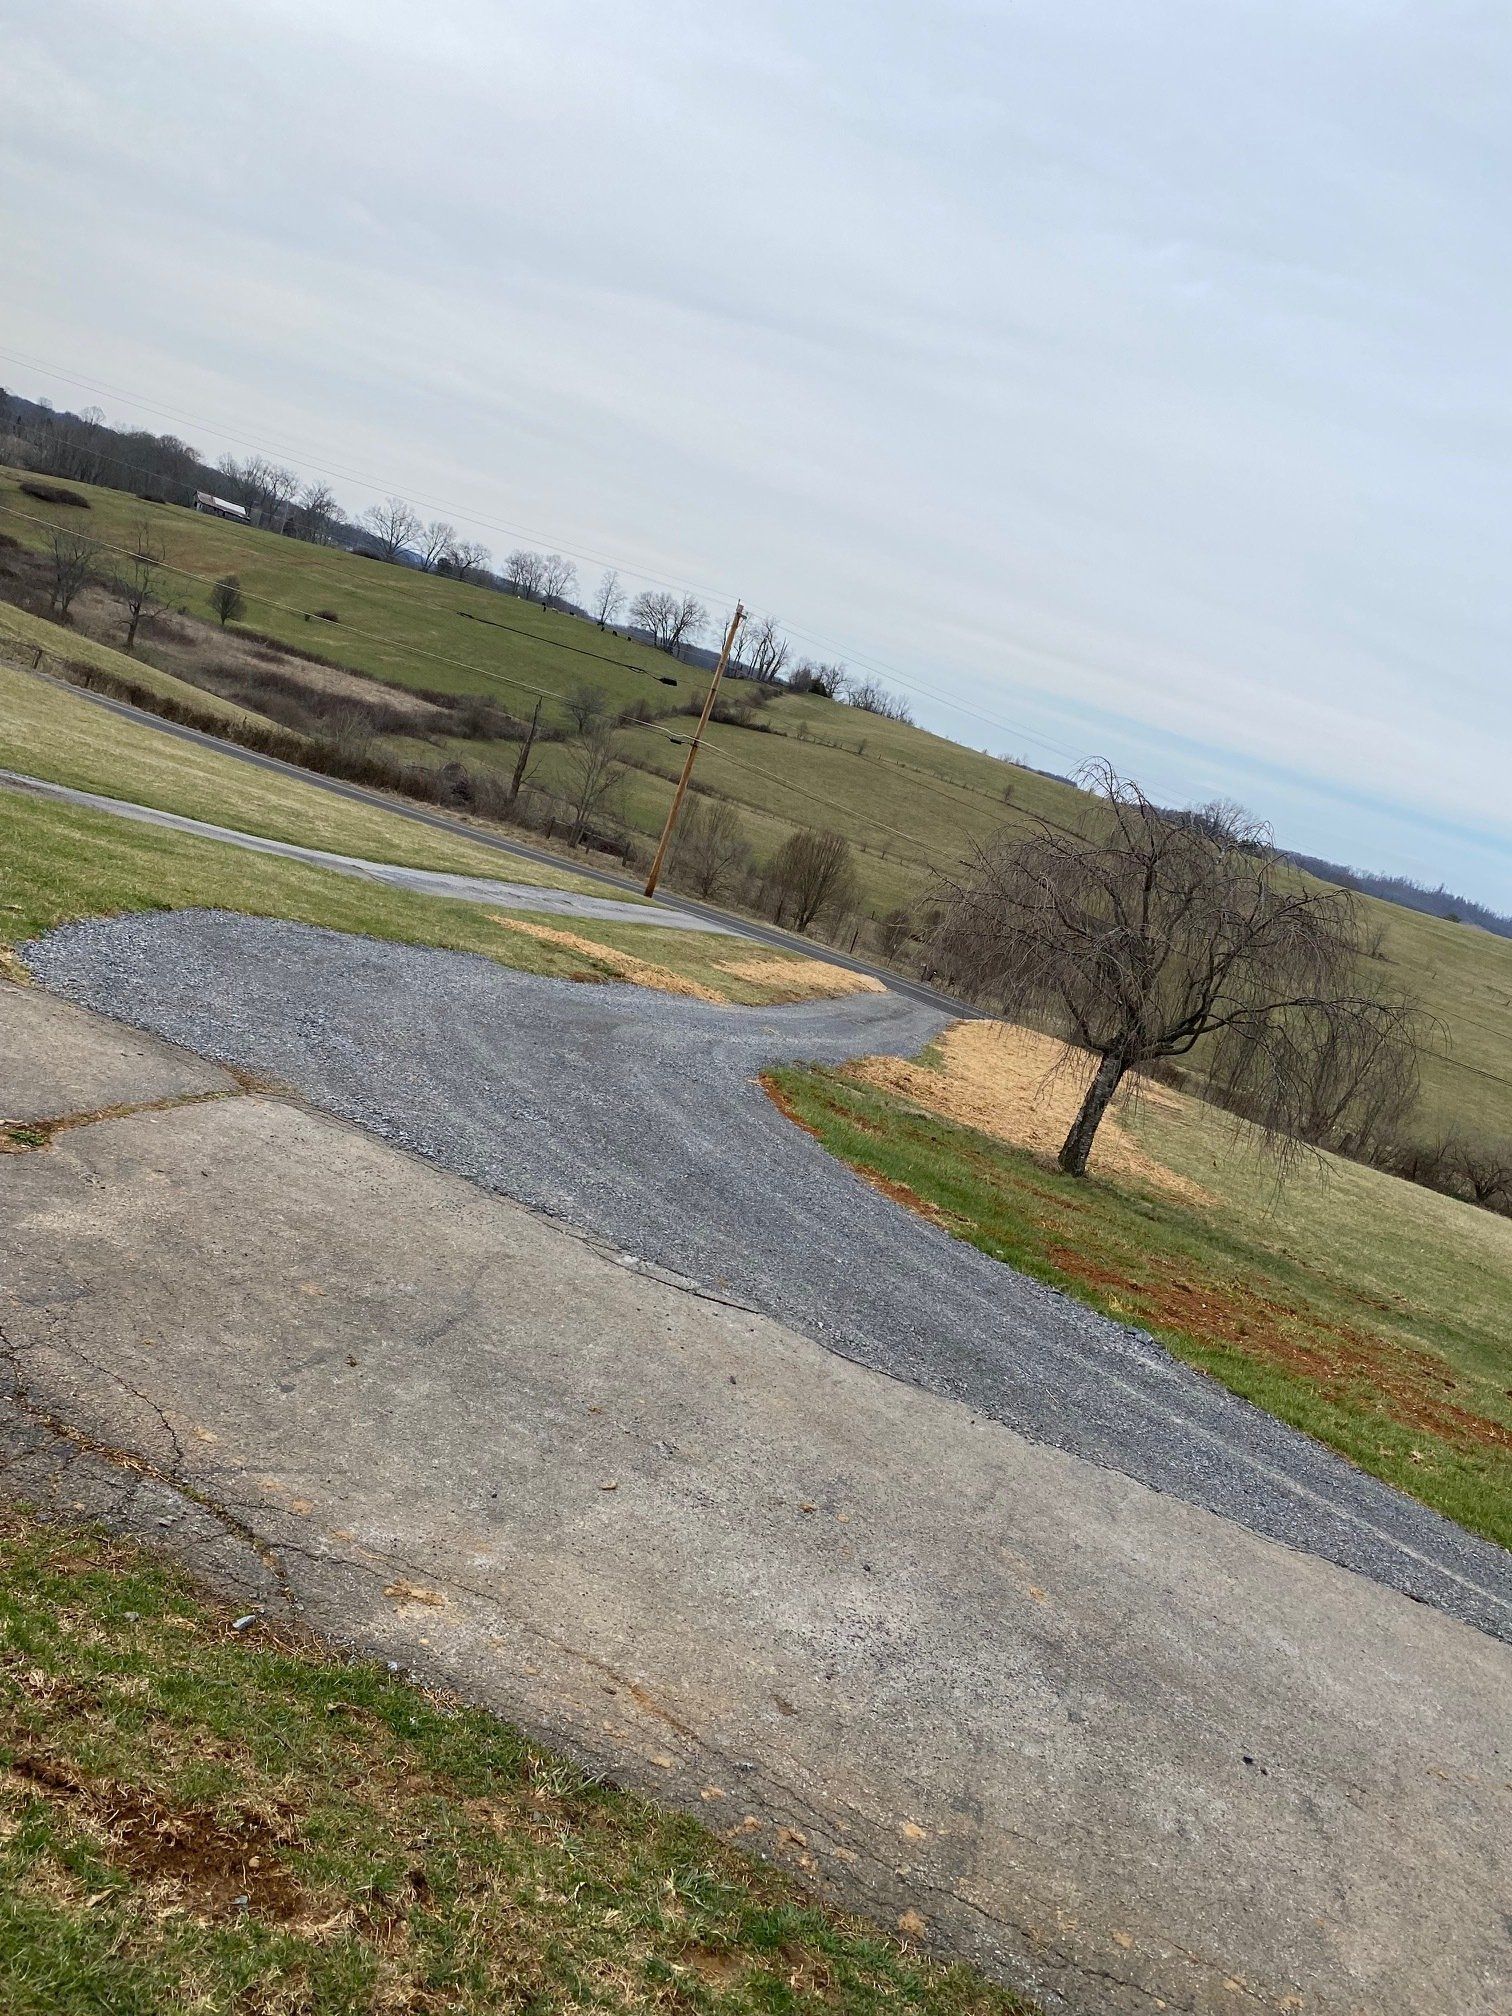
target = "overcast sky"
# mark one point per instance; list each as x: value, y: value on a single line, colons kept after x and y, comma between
x: 1127, y: 379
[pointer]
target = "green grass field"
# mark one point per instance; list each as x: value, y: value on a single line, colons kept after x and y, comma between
x: 195, y: 1819
x: 1369, y: 1313
x: 49, y: 732
x: 909, y: 801
x: 60, y: 863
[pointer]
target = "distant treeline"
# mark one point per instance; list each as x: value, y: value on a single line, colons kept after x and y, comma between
x: 1440, y: 902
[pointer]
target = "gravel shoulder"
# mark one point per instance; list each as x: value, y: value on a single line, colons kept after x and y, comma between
x: 635, y: 1117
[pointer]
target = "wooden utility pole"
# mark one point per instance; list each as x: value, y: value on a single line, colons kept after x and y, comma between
x: 687, y: 770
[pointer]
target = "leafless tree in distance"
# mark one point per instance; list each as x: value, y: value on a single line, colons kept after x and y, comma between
x: 594, y: 776
x: 468, y: 560
x: 227, y: 600
x: 689, y: 624
x: 73, y: 562
x: 315, y: 517
x: 709, y: 849
x: 558, y: 579
x: 608, y: 598
x: 433, y: 542
x: 655, y: 612
x: 872, y: 697
x: 586, y: 705
x: 393, y: 526
x: 140, y: 582
x: 1140, y: 934
x: 764, y: 649
x: 526, y: 572
x: 828, y: 681
x: 671, y: 621
x: 810, y: 874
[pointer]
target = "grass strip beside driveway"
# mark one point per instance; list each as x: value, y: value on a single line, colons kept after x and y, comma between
x: 1412, y: 1390
x: 193, y: 1817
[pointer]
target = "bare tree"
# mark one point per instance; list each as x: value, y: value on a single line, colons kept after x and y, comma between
x: 73, y: 563
x: 689, y: 624
x: 526, y: 573
x: 315, y: 518
x: 710, y: 850
x: 655, y: 612
x: 227, y: 600
x: 433, y: 542
x: 811, y: 873
x: 594, y: 776
x: 393, y: 525
x: 1140, y: 934
x: 764, y: 649
x: 558, y: 578
x: 139, y: 584
x: 586, y: 705
x: 266, y: 490
x: 828, y: 681
x: 671, y: 621
x: 872, y: 697
x: 467, y: 559
x: 523, y: 766
x: 276, y: 495
x: 608, y: 598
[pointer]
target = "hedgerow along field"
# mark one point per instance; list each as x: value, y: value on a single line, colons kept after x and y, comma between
x: 910, y: 802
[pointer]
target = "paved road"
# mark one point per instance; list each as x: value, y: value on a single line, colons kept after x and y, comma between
x: 1128, y: 1754
x: 521, y: 850
x: 421, y: 881
x: 634, y: 1116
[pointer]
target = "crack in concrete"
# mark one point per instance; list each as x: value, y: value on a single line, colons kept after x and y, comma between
x: 133, y: 1462
x: 12, y: 1132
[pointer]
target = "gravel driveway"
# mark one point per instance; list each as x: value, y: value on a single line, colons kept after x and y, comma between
x: 633, y: 1116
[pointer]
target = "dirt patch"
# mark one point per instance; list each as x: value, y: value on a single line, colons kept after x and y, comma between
x: 805, y: 980
x: 1024, y: 1088
x: 218, y: 1862
x: 1342, y: 1362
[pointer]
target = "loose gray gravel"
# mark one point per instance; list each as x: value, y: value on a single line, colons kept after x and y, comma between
x: 634, y: 1116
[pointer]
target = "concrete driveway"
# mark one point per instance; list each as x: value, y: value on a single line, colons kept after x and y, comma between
x: 1121, y: 1749
x: 635, y: 1117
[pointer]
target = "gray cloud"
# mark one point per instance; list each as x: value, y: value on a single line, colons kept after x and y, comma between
x: 1133, y: 377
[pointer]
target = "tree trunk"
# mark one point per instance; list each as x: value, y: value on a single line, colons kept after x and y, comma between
x: 524, y: 757
x: 1078, y: 1143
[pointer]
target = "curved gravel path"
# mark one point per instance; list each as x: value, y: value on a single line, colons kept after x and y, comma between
x: 633, y: 1115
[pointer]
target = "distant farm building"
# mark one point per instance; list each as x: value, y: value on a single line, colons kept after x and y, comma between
x: 219, y: 507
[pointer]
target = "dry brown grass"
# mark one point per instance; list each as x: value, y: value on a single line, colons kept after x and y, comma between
x: 814, y: 980
x: 623, y: 965
x: 772, y: 981
x: 1024, y: 1088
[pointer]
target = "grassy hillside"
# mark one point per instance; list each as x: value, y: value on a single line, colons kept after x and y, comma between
x: 909, y: 801
x: 414, y: 629
x: 59, y: 863
x: 1364, y: 1311
x: 49, y: 732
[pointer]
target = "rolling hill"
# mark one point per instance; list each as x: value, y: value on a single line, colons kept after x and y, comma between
x: 912, y: 803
